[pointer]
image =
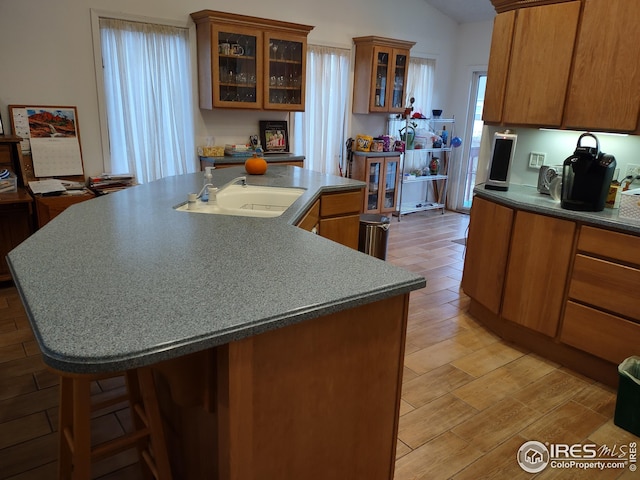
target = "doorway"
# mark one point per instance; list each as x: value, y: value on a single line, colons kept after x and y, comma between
x: 473, y: 136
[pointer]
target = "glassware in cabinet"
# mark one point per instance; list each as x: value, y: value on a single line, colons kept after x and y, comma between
x: 234, y: 64
x: 238, y: 71
x: 285, y: 78
x: 380, y: 74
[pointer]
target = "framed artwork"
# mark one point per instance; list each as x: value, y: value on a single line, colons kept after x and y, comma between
x: 1, y: 127
x: 274, y: 136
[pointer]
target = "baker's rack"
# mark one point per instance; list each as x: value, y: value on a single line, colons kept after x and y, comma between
x: 424, y: 191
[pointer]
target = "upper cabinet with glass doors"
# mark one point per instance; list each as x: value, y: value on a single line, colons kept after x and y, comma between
x: 250, y: 62
x: 380, y: 75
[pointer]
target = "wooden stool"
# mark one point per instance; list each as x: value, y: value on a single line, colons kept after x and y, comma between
x: 76, y: 454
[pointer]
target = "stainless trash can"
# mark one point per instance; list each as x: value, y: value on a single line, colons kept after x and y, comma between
x: 374, y: 234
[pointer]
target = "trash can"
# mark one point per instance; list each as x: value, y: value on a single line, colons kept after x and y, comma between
x: 627, y: 414
x: 374, y: 234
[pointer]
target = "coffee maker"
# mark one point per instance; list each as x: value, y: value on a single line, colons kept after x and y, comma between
x: 586, y: 177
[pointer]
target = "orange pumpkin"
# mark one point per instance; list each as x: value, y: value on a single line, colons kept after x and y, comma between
x: 255, y: 165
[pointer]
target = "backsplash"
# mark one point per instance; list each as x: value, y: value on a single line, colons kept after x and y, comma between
x: 557, y: 145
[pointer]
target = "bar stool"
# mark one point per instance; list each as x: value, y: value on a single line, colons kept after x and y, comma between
x: 76, y: 454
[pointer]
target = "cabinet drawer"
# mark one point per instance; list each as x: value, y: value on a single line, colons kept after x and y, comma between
x: 606, y: 285
x: 333, y: 204
x: 599, y: 333
x: 618, y: 246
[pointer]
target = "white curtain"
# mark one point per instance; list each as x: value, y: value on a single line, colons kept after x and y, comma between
x: 420, y: 84
x: 319, y: 131
x: 149, y: 99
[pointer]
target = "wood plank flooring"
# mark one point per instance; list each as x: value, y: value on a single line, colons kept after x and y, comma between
x: 469, y: 399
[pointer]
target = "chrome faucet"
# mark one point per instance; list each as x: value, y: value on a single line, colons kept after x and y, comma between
x: 233, y: 182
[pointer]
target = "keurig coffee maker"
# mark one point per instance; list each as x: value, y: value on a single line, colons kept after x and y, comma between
x: 586, y: 177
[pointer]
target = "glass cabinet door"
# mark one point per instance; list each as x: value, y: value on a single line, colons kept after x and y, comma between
x: 238, y: 80
x: 382, y: 61
x: 391, y: 169
x: 399, y: 78
x: 285, y: 77
x: 374, y: 175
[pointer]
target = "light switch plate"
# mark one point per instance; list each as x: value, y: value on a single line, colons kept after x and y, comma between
x: 536, y: 159
x: 633, y: 169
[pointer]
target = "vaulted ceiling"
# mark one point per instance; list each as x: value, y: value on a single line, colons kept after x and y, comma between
x: 465, y: 11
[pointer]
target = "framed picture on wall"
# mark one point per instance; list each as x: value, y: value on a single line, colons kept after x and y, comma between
x: 274, y: 136
x: 1, y: 127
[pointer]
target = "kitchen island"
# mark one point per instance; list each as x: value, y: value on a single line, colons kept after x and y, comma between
x: 558, y: 282
x: 277, y: 353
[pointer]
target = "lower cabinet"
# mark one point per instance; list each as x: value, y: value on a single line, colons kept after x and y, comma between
x: 485, y: 261
x: 16, y: 224
x: 340, y: 217
x: 602, y: 315
x: 336, y: 216
x: 381, y: 172
x: 47, y: 208
x: 559, y: 288
x: 539, y: 259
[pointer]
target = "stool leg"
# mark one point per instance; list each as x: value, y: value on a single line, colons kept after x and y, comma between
x: 141, y: 388
x: 65, y: 421
x: 81, y: 429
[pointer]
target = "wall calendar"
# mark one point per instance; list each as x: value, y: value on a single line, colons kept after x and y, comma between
x: 50, y: 135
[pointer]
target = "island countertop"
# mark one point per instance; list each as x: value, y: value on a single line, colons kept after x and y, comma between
x: 528, y: 198
x: 125, y: 280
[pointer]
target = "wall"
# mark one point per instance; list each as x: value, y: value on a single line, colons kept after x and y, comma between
x: 47, y: 53
x: 471, y: 55
x: 558, y: 145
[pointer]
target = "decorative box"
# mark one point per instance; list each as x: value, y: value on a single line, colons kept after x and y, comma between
x: 630, y: 204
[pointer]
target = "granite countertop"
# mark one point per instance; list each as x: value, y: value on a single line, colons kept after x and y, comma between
x: 125, y: 280
x: 528, y: 198
x: 358, y: 153
x: 240, y: 159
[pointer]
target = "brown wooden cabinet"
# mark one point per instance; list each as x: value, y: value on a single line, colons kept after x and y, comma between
x: 568, y: 65
x: 336, y: 216
x: 485, y: 261
x: 540, y: 63
x: 382, y: 176
x: 537, y: 271
x: 311, y: 220
x: 47, y: 208
x: 380, y: 74
x: 606, y: 63
x: 569, y: 291
x: 250, y: 62
x: 16, y: 224
x: 340, y: 217
x: 602, y: 316
x: 501, y: 40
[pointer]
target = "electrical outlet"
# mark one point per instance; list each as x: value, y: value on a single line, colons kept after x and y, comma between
x: 536, y: 159
x: 632, y: 169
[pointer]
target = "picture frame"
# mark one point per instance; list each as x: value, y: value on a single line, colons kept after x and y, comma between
x: 1, y: 127
x: 274, y: 136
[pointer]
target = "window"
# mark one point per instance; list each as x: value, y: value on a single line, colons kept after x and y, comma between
x: 420, y: 84
x: 147, y: 99
x: 319, y: 131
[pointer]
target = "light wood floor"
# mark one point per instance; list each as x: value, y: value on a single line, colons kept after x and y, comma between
x: 469, y: 399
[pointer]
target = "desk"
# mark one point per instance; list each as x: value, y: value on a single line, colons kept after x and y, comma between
x: 47, y: 208
x: 16, y: 224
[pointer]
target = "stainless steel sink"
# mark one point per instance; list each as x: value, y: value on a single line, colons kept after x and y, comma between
x: 247, y: 201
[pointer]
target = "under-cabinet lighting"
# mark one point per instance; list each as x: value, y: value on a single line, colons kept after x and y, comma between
x: 576, y: 131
